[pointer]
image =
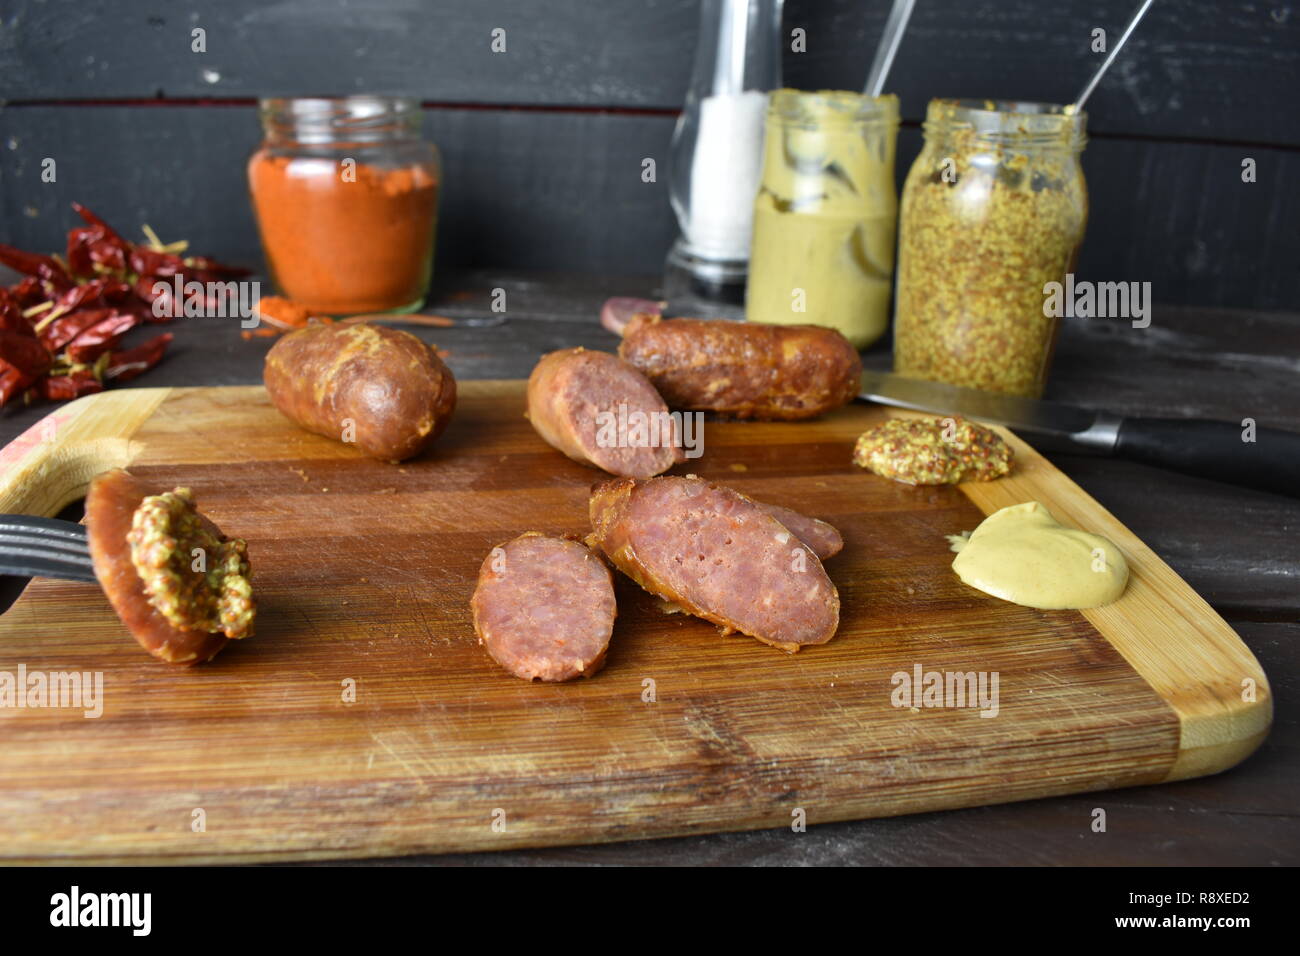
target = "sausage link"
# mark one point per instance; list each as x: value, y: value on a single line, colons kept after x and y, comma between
x: 744, y: 369
x: 394, y: 390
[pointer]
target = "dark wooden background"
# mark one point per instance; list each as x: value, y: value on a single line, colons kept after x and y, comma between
x: 543, y: 143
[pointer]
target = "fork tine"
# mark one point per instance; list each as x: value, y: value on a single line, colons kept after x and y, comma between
x: 46, y: 527
x: 36, y: 542
x: 45, y: 547
x: 59, y: 550
x: 33, y: 564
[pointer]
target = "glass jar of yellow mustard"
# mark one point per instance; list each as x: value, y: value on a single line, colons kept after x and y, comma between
x: 824, y: 217
x: 993, y: 209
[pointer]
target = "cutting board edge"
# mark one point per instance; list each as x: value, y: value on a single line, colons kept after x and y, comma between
x: 546, y: 836
x: 51, y: 464
x: 1218, y: 729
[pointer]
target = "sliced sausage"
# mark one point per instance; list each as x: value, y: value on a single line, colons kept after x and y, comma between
x: 110, y: 505
x: 823, y: 539
x: 391, y: 388
x: 744, y: 369
x: 544, y: 607
x: 717, y: 554
x: 587, y: 405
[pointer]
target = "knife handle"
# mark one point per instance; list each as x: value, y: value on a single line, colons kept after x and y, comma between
x: 1215, y: 450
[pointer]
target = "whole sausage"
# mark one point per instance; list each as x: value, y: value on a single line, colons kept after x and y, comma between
x: 393, y: 391
x: 583, y: 402
x: 617, y: 312
x: 718, y: 555
x: 744, y: 369
x: 110, y: 506
x: 544, y: 608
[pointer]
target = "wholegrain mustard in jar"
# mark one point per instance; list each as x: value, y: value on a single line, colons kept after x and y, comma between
x: 993, y: 209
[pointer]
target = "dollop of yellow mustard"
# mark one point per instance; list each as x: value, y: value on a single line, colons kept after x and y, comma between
x: 1024, y: 555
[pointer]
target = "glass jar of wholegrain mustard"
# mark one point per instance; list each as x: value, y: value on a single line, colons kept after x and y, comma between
x: 346, y: 198
x: 823, y: 244
x: 993, y: 209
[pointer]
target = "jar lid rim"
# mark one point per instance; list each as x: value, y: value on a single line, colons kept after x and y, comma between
x: 993, y: 107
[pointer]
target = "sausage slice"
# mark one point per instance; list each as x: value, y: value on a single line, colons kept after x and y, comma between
x: 110, y: 505
x: 719, y: 555
x: 382, y: 388
x: 744, y: 369
x: 822, y: 538
x: 544, y: 607
x: 602, y: 412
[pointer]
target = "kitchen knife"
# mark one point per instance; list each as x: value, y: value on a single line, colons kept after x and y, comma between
x: 1210, y: 449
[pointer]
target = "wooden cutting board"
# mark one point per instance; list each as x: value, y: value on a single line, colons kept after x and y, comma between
x: 364, y: 572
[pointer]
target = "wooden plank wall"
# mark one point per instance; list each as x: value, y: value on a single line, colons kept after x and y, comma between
x: 543, y: 143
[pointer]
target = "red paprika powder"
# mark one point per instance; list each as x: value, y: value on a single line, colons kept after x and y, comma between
x: 346, y: 199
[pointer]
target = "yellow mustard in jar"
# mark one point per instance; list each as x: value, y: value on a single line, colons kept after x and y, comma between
x: 825, y: 214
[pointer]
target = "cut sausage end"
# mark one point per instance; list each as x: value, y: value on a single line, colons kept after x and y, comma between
x: 110, y: 505
x: 602, y: 412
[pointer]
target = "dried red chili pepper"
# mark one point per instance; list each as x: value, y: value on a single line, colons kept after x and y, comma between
x: 22, y: 361
x: 205, y: 269
x: 60, y: 388
x: 126, y: 365
x: 100, y: 338
x: 92, y: 220
x: 70, y: 319
x: 11, y: 314
x: 28, y: 292
x: 151, y: 262
x: 64, y: 329
x: 46, y: 268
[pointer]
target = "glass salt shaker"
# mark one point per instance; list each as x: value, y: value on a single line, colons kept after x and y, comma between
x: 717, y: 146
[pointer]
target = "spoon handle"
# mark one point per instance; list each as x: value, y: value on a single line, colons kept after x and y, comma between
x: 1114, y: 52
x: 889, y: 41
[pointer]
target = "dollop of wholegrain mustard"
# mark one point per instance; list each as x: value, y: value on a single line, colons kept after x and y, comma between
x: 933, y: 451
x: 191, y: 577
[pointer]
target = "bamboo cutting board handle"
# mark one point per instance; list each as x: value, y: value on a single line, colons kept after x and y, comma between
x: 51, y: 464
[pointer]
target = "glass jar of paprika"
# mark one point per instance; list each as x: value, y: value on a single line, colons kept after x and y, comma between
x: 346, y: 198
x: 993, y: 210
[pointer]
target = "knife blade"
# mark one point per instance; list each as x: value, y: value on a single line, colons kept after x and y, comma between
x: 1093, y: 429
x: 1241, y: 454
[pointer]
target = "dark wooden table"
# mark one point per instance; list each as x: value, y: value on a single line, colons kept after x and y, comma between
x: 1240, y: 549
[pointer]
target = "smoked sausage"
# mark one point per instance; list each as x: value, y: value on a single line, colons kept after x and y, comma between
x: 381, y: 388
x: 111, y: 505
x: 544, y: 608
x: 744, y: 369
x: 823, y: 539
x: 718, y: 555
x: 588, y: 405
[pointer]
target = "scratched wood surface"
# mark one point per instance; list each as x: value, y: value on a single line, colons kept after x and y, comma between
x: 364, y: 571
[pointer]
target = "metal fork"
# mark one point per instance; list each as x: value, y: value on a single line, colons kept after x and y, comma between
x: 44, y: 547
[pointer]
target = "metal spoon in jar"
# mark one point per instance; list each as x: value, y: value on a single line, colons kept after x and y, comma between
x: 889, y: 42
x: 1077, y: 105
